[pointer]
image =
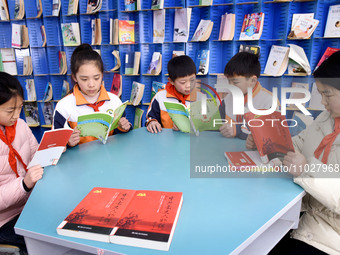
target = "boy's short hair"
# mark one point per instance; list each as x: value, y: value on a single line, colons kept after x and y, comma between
x: 329, y: 71
x: 181, y: 66
x: 243, y: 64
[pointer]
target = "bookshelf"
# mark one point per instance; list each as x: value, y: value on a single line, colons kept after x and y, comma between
x: 277, y: 23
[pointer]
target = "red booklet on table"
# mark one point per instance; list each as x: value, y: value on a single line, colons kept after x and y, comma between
x: 141, y: 218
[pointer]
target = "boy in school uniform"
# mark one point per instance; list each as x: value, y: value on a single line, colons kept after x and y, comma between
x: 181, y: 82
x: 243, y: 71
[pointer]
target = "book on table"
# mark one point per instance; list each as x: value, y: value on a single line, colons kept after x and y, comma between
x: 141, y: 218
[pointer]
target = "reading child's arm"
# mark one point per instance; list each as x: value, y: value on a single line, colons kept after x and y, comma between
x: 154, y: 112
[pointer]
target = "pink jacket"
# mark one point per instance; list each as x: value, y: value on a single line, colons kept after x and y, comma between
x: 12, y: 193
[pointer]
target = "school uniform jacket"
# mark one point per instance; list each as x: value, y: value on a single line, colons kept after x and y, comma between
x: 12, y: 193
x: 74, y: 105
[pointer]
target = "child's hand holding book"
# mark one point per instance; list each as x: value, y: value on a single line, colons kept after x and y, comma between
x: 75, y: 138
x: 124, y: 124
x: 295, y: 161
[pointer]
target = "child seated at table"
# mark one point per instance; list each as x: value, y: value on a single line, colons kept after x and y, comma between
x: 181, y: 82
x: 88, y: 95
x: 17, y: 147
x: 315, y: 167
x: 243, y: 71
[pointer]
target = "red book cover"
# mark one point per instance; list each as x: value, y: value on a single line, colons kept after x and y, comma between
x: 239, y: 159
x: 116, y: 84
x: 272, y: 139
x: 329, y: 51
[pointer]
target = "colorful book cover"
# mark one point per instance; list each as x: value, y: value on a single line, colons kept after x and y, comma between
x: 129, y: 62
x: 255, y: 49
x: 138, y: 118
x: 239, y: 159
x: 252, y: 26
x: 116, y: 86
x: 332, y: 28
x: 71, y: 34
x: 126, y: 31
x: 130, y: 5
x: 158, y: 26
x: 303, y: 28
x: 156, y: 86
x: 31, y: 113
x: 155, y: 65
x: 137, y: 92
x: 30, y: 90
x: 202, y: 62
x: 329, y: 51
x: 65, y: 89
x: 157, y: 4
x: 48, y: 94
x: 48, y: 112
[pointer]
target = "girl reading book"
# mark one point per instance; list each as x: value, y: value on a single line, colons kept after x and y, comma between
x: 17, y: 147
x: 88, y: 95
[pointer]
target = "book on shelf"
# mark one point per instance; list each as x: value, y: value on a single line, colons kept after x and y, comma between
x: 332, y: 28
x: 56, y: 4
x: 137, y: 92
x: 301, y: 123
x: 303, y: 27
x: 4, y: 15
x: 43, y: 35
x: 176, y: 53
x: 157, y: 4
x: 296, y: 16
x: 31, y: 113
x: 202, y: 62
x: 52, y: 145
x: 8, y: 61
x: 96, y: 29
x: 272, y: 139
x: 116, y: 85
x: 71, y: 34
x: 132, y: 60
x: 255, y: 49
x: 28, y: 68
x: 48, y: 110
x: 19, y: 36
x: 158, y: 26
x: 205, y: 2
x: 227, y: 27
x: 299, y: 62
x: 114, y: 31
x: 277, y: 60
x: 48, y: 94
x: 72, y: 7
x: 155, y: 87
x: 252, y: 26
x: 138, y: 118
x: 182, y: 24
x: 132, y: 5
x: 65, y: 88
x: 30, y: 90
x: 93, y: 6
x: 315, y: 99
x: 155, y: 66
x: 126, y: 31
x: 62, y: 62
x: 328, y: 52
x: 203, y: 31
x: 117, y: 61
x: 297, y: 95
x: 141, y: 218
x: 100, y: 124
x: 19, y: 9
x: 39, y: 8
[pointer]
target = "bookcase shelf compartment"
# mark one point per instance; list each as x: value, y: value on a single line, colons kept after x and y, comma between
x: 34, y: 32
x: 53, y: 59
x: 57, y: 85
x: 31, y: 9
x: 53, y: 31
x: 275, y: 20
x: 39, y: 61
x: 108, y: 59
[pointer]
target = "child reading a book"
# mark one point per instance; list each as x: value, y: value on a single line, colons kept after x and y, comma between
x: 182, y: 81
x: 89, y: 95
x: 315, y: 167
x: 243, y: 71
x: 17, y: 147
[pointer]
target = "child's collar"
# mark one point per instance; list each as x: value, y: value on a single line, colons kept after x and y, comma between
x: 80, y: 99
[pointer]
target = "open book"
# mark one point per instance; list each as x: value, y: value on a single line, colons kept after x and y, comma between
x: 99, y: 124
x: 140, y: 218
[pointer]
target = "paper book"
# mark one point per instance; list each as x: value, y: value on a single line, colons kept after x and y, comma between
x: 296, y: 16
x: 332, y: 28
x: 72, y: 7
x: 203, y: 30
x: 126, y: 31
x: 137, y: 92
x: 157, y: 4
x: 43, y: 35
x: 272, y: 139
x: 93, y: 6
x: 31, y: 113
x: 132, y: 60
x: 96, y: 32
x: 51, y: 146
x: 202, y: 62
x: 315, y: 100
x: 303, y: 28
x: 242, y: 160
x: 30, y: 90
x: 16, y: 36
x: 255, y: 49
x: 227, y: 28
x: 65, y: 89
x: 252, y: 26
x: 156, y: 86
x: 205, y: 2
x: 8, y: 61
x: 48, y: 94
x: 182, y: 24
x: 4, y: 15
x: 62, y: 62
x: 158, y: 26
x: 301, y: 123
x: 141, y: 218
x: 28, y: 68
x: 100, y: 124
x: 19, y: 9
x: 131, y: 5
x: 39, y: 8
x: 277, y: 60
x: 117, y: 61
x: 48, y: 110
x: 114, y: 30
x: 176, y: 53
x: 298, y: 55
x: 116, y: 86
x: 56, y: 4
x: 328, y: 52
x: 297, y: 95
x: 155, y: 66
x: 138, y: 118
x: 71, y: 34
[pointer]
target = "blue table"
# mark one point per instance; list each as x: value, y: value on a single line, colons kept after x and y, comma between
x: 218, y: 216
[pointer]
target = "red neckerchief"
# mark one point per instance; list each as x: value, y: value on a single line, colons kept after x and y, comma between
x: 172, y: 90
x: 13, y: 154
x: 96, y: 105
x: 327, y: 142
